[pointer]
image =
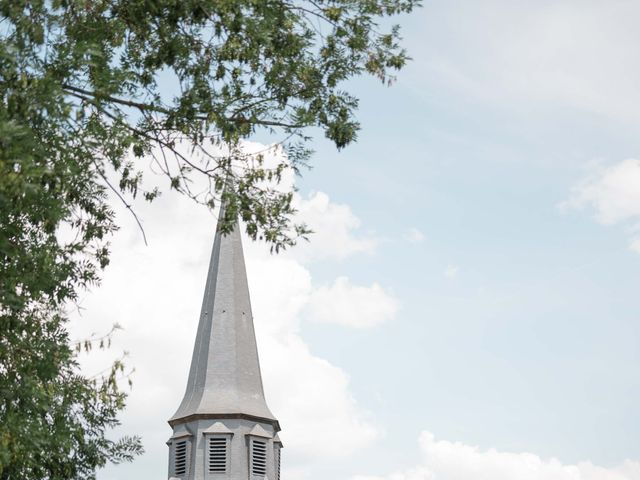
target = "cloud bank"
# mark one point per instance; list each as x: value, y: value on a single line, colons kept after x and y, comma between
x: 352, y: 305
x: 445, y: 460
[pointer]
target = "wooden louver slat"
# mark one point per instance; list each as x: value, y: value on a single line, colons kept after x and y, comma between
x: 217, y: 455
x: 180, y: 459
x: 259, y: 458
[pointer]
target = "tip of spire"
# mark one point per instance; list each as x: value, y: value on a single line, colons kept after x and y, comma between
x: 227, y: 219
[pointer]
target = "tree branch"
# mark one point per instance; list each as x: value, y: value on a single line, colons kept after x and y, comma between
x: 93, y: 97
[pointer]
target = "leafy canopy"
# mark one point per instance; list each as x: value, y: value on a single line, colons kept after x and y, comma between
x: 99, y: 79
x: 90, y: 91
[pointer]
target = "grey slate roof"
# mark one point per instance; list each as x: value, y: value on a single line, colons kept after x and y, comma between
x: 225, y: 372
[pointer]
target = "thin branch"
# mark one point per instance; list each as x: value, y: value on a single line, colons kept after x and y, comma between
x: 93, y: 98
x: 82, y: 93
x: 124, y: 202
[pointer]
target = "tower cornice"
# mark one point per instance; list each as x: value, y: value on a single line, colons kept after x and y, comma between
x: 224, y: 416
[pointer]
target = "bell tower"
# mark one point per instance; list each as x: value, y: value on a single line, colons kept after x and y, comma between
x: 223, y: 429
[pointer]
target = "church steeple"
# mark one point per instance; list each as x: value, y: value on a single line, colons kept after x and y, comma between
x: 223, y: 426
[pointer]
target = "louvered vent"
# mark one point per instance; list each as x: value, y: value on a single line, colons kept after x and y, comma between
x: 259, y: 458
x: 217, y: 455
x: 278, y: 456
x: 180, y: 460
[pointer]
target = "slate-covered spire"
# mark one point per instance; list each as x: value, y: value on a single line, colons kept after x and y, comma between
x: 225, y: 379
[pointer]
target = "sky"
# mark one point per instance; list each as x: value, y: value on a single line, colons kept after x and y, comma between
x: 468, y: 308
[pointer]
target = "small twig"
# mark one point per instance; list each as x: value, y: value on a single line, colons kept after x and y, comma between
x: 124, y: 202
x: 93, y: 337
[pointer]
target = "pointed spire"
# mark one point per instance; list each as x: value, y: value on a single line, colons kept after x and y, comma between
x: 225, y: 379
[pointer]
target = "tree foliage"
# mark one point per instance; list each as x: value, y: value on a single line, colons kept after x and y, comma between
x: 90, y: 92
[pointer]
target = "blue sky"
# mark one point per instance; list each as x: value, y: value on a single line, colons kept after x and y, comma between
x: 476, y: 247
x: 534, y: 344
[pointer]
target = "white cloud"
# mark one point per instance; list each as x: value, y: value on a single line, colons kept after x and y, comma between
x: 413, y: 235
x: 336, y: 229
x: 333, y: 225
x: 445, y: 460
x: 312, y: 400
x: 451, y: 271
x: 352, y: 305
x: 634, y: 245
x: 155, y: 292
x: 614, y: 195
x: 613, y: 192
x: 310, y: 395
